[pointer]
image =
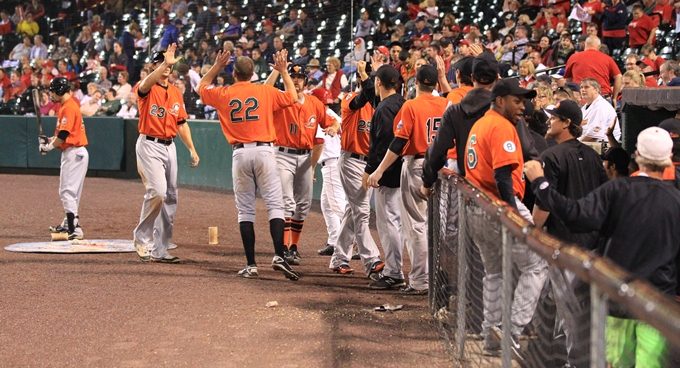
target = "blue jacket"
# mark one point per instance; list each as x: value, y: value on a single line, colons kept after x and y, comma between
x: 675, y: 82
x: 170, y: 36
x: 614, y: 18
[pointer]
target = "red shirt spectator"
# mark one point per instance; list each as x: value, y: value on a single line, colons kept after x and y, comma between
x: 543, y: 22
x: 591, y: 63
x: 641, y: 29
x: 5, y: 23
x: 665, y: 9
x: 594, y: 8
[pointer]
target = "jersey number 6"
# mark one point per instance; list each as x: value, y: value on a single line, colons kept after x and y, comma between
x: 471, y: 153
x: 236, y: 107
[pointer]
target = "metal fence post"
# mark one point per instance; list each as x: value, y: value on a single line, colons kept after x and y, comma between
x: 506, y: 253
x: 598, y: 320
x: 462, y: 277
x: 432, y: 200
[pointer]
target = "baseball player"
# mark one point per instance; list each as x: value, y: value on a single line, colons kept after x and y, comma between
x: 161, y: 117
x: 333, y: 201
x: 295, y: 138
x: 416, y: 126
x: 387, y: 103
x: 356, y: 127
x: 246, y: 113
x: 70, y: 138
x: 494, y: 163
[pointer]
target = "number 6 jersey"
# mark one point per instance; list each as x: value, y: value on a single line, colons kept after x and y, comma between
x: 160, y: 111
x: 246, y: 110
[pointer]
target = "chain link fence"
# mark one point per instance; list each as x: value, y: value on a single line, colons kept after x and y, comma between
x: 546, y: 303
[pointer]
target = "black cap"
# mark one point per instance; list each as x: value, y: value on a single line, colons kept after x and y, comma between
x: 214, y: 4
x: 395, y: 43
x: 464, y: 65
x: 617, y: 156
x: 510, y: 86
x: 567, y: 109
x: 544, y: 78
x: 178, y: 21
x: 671, y: 125
x: 427, y: 75
x: 387, y: 74
x: 158, y: 57
x: 485, y: 68
x: 573, y: 86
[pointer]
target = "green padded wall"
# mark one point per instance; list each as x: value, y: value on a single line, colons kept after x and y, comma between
x: 13, y: 142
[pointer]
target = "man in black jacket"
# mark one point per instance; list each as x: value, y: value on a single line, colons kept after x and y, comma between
x: 387, y: 103
x: 636, y: 218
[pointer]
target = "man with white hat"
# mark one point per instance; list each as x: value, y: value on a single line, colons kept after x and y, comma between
x: 636, y: 218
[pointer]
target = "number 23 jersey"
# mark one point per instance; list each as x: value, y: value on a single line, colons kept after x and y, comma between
x: 246, y: 110
x: 160, y: 111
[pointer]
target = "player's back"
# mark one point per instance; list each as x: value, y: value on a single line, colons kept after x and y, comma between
x: 356, y: 126
x: 419, y: 119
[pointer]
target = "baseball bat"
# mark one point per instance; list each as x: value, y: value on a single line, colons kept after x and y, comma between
x: 36, y: 107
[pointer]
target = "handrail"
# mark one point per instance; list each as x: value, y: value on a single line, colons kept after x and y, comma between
x: 638, y: 296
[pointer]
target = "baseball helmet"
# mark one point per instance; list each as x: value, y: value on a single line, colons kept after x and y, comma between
x: 323, y: 95
x: 158, y: 56
x: 297, y: 70
x: 60, y: 86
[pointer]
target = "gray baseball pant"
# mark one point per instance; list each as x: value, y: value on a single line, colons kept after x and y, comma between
x: 388, y: 222
x: 296, y: 182
x: 74, y: 162
x: 414, y: 221
x: 253, y: 168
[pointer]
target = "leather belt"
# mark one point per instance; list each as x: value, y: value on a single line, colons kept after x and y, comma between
x: 415, y: 157
x: 328, y: 161
x: 166, y: 142
x: 254, y: 144
x: 293, y: 151
x: 359, y: 157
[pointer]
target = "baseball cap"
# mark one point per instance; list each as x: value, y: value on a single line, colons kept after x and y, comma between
x: 573, y: 86
x: 485, y: 68
x: 559, y: 74
x: 466, y: 29
x: 358, y: 41
x: 544, y: 78
x: 387, y: 73
x: 427, y: 75
x: 395, y: 43
x: 567, y: 109
x: 455, y: 29
x: 463, y: 42
x: 242, y: 40
x: 655, y: 144
x: 384, y: 50
x: 671, y: 126
x: 646, y: 62
x: 214, y: 4
x: 267, y: 23
x: 510, y: 86
x: 617, y: 156
x: 422, y: 37
x: 464, y: 65
x: 420, y: 19
x: 178, y: 21
x: 195, y: 64
x: 508, y: 17
x: 49, y: 63
x: 157, y: 57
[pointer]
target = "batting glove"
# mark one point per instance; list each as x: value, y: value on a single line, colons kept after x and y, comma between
x: 46, y: 147
x: 43, y: 139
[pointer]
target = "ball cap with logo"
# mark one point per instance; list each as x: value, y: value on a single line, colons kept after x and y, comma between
x: 387, y: 73
x: 427, y: 75
x: 567, y: 109
x: 655, y: 144
x: 510, y: 86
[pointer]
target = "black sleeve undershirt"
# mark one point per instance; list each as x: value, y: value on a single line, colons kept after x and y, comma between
x: 397, y: 145
x: 63, y: 134
x: 503, y: 177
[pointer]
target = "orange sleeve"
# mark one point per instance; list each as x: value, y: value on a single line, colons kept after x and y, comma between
x: 404, y: 122
x: 281, y: 99
x: 504, y: 146
x: 210, y: 95
x: 326, y: 120
x: 68, y: 120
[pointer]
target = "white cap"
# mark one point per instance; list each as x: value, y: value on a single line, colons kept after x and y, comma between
x: 243, y: 40
x: 655, y: 144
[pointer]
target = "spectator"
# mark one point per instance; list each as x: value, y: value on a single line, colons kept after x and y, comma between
x: 91, y: 89
x: 104, y: 82
x: 641, y: 29
x: 563, y: 94
x: 123, y: 88
x: 420, y: 29
x: 46, y: 103
x: 267, y: 36
x: 594, y: 64
x: 96, y: 24
x: 62, y: 50
x: 526, y: 73
x: 615, y: 162
x: 633, y: 79
x: 304, y: 57
x: 664, y: 12
x: 118, y: 61
x: 546, y: 19
x: 233, y: 30
x: 632, y: 62
x: 647, y: 66
x: 162, y: 17
x: 21, y: 49
x: 535, y: 58
x: 592, y: 29
x: 39, y: 50
x: 190, y: 97
x: 305, y: 25
x: 171, y: 35
x: 598, y: 114
x: 178, y: 5
x: 315, y: 72
x: 333, y: 79
x: 261, y: 66
x: 75, y: 66
x: 26, y: 73
x: 129, y: 110
x: 85, y: 42
x: 670, y: 73
x: 509, y: 28
x: 28, y: 26
x: 16, y: 88
x: 594, y: 8
x: 513, y: 52
x: 358, y: 54
x: 289, y: 27
x: 206, y: 19
x: 17, y: 17
x: 48, y: 71
x: 6, y: 25
x: 365, y: 27
x: 26, y: 100
x: 105, y: 44
x: 62, y: 68
x: 383, y: 33
x: 194, y: 75
x: 648, y: 52
x: 614, y: 22
x: 91, y: 106
x: 265, y: 51
x: 111, y: 106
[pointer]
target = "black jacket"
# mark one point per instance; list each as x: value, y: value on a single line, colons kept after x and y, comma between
x: 456, y: 124
x: 382, y: 131
x: 637, y: 222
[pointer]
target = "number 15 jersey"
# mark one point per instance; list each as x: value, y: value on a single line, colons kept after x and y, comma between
x: 160, y: 111
x: 246, y: 110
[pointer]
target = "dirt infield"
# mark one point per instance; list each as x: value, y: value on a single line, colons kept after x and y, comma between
x: 111, y: 310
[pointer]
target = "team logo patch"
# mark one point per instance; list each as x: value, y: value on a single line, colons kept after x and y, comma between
x: 210, y: 87
x: 597, y: 129
x: 175, y: 109
x: 311, y: 123
x: 509, y: 146
x: 400, y: 124
x: 544, y: 185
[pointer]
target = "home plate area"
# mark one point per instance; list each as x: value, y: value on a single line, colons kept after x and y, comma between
x: 77, y: 246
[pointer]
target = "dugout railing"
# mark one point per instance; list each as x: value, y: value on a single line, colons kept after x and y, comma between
x: 581, y: 289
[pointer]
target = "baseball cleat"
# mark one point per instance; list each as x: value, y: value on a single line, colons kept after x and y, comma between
x: 287, y: 256
x: 166, y: 259
x: 249, y: 272
x: 61, y: 228
x: 327, y: 251
x: 77, y: 234
x: 356, y: 256
x: 386, y: 283
x: 375, y: 276
x: 343, y: 270
x: 280, y: 264
x: 410, y: 290
x: 142, y: 252
x: 296, y: 257
x: 377, y: 266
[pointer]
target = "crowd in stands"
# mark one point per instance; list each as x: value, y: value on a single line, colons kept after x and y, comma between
x: 106, y: 45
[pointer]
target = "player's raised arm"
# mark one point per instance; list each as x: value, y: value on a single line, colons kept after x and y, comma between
x: 281, y: 66
x: 223, y: 59
x: 153, y: 78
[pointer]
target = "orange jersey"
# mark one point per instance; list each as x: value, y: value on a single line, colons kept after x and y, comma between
x: 356, y: 126
x: 246, y: 110
x: 160, y: 110
x: 418, y: 121
x: 70, y: 119
x: 493, y: 143
x: 296, y: 124
x: 668, y: 173
x: 455, y: 96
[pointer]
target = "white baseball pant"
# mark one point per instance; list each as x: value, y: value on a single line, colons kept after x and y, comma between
x: 333, y: 201
x: 74, y: 162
